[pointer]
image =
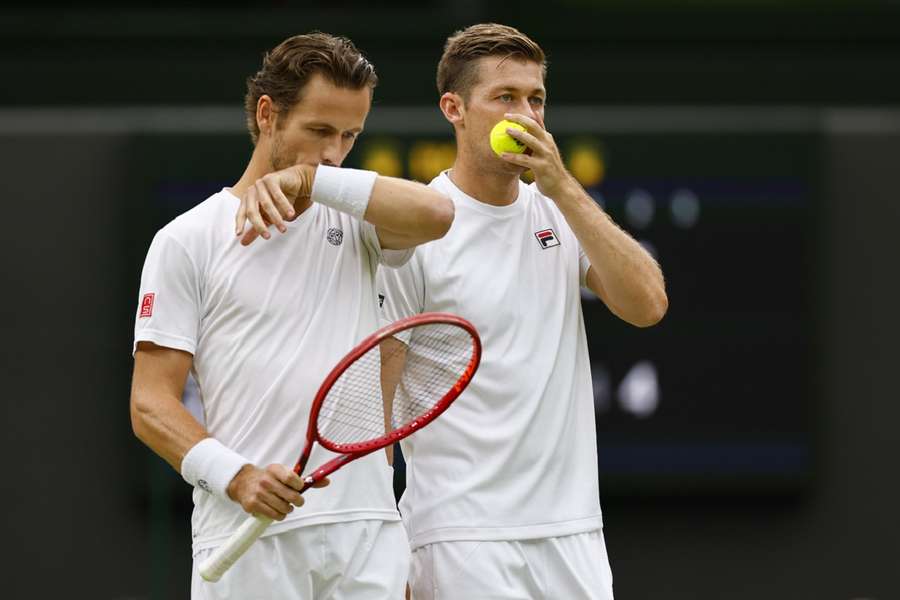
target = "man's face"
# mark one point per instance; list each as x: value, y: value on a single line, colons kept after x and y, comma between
x: 322, y: 127
x: 504, y: 85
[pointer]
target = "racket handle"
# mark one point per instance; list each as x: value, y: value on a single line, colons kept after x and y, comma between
x: 225, y: 555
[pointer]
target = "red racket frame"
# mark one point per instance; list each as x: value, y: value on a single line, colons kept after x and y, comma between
x: 350, y: 452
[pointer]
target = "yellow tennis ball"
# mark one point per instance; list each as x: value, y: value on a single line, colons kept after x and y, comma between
x: 503, y: 142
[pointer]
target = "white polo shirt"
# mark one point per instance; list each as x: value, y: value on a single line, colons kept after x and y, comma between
x: 265, y: 324
x: 515, y: 456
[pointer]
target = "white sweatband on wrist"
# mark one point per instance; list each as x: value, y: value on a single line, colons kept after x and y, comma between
x: 346, y: 190
x: 211, y: 466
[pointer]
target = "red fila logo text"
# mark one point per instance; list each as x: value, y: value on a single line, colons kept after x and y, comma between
x: 147, y: 305
x: 546, y: 238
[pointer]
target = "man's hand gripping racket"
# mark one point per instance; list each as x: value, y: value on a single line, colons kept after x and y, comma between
x: 381, y: 392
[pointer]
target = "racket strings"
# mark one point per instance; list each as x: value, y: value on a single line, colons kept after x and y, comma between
x: 394, y: 384
x: 429, y: 372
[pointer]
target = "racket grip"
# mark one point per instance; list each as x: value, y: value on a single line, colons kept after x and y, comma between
x: 225, y: 555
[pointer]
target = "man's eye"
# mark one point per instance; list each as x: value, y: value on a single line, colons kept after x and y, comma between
x: 537, y: 101
x: 506, y: 97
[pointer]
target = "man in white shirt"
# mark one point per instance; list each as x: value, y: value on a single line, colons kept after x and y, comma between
x: 259, y: 326
x: 502, y: 493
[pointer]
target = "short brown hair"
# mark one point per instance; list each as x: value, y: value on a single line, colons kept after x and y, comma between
x: 457, y: 69
x: 288, y: 67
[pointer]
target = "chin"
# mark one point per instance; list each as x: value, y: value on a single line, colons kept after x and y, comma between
x: 512, y: 169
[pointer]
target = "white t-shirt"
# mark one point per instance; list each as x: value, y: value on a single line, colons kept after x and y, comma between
x: 265, y: 324
x: 515, y: 456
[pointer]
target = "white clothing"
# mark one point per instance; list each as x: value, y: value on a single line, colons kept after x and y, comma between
x: 360, y: 560
x: 515, y: 456
x: 265, y: 324
x: 572, y: 567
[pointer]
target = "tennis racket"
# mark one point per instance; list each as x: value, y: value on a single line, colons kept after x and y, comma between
x: 380, y: 392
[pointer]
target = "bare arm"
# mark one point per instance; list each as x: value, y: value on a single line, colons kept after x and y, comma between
x: 404, y: 213
x: 393, y: 360
x: 161, y: 421
x: 622, y: 273
x: 158, y: 417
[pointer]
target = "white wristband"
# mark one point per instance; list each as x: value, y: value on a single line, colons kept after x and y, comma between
x: 346, y: 190
x: 211, y: 466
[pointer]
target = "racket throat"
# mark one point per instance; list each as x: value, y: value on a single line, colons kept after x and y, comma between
x: 327, y: 469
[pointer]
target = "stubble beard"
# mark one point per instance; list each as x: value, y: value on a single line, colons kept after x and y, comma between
x: 277, y: 158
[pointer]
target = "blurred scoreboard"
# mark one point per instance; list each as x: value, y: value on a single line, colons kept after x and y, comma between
x: 715, y: 399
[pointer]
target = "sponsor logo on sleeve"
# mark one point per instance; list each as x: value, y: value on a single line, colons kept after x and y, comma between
x: 147, y: 305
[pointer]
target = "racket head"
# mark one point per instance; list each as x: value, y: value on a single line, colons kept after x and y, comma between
x: 451, y: 349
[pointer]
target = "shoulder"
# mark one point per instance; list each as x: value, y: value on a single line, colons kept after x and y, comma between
x: 538, y: 203
x: 534, y: 196
x: 197, y: 232
x: 207, y: 220
x: 442, y: 184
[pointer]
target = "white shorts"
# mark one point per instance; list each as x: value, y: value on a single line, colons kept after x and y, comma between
x: 572, y: 567
x: 356, y: 560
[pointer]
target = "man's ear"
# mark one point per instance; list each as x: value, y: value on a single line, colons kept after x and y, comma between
x: 265, y: 115
x: 454, y: 109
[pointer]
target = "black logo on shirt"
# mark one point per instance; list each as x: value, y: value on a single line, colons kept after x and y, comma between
x: 334, y: 236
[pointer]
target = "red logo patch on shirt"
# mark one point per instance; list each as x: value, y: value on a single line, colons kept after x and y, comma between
x: 546, y: 238
x: 147, y: 305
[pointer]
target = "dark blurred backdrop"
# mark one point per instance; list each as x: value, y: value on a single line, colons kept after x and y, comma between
x: 747, y: 444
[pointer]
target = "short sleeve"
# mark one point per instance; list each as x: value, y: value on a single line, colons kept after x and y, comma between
x: 168, y: 312
x: 401, y: 291
x: 390, y: 258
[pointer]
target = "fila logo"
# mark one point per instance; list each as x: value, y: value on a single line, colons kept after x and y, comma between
x: 147, y: 305
x: 380, y: 300
x: 546, y: 238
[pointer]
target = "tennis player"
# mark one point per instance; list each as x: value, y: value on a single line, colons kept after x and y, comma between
x: 502, y: 494
x: 261, y: 325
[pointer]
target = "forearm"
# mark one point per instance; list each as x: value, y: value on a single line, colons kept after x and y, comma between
x: 403, y: 212
x: 393, y: 360
x: 622, y: 273
x: 165, y: 426
x: 629, y: 279
x: 408, y: 212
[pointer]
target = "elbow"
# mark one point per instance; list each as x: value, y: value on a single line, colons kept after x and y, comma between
x: 655, y: 310
x: 441, y: 214
x: 139, y: 414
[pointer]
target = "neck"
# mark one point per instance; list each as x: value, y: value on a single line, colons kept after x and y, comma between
x: 256, y: 168
x: 499, y: 188
x: 260, y: 166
